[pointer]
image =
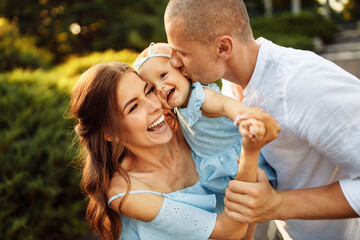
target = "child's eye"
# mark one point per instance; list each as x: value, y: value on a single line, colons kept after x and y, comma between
x: 133, y: 108
x: 163, y: 75
x: 151, y: 89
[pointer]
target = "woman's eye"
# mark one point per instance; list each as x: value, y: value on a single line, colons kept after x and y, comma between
x: 151, y: 89
x: 133, y: 108
x: 163, y: 75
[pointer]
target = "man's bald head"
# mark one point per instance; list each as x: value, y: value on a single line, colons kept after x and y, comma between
x: 204, y: 20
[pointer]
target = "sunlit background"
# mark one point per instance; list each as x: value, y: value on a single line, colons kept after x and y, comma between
x: 46, y: 44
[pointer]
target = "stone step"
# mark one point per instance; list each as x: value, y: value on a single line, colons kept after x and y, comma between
x: 347, y: 35
x: 341, y: 47
x: 342, y: 56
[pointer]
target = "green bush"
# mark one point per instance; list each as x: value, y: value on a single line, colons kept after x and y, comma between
x: 294, y: 31
x: 20, y: 51
x: 66, y: 74
x: 39, y: 190
x: 39, y: 183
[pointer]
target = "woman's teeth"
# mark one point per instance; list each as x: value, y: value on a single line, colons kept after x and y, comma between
x: 160, y: 120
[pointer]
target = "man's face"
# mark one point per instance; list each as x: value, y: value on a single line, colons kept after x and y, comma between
x: 195, y: 60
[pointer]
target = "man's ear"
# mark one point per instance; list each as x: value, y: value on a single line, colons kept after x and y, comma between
x: 224, y: 44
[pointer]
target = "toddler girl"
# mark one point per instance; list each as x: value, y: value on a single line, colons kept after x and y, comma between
x: 206, y: 118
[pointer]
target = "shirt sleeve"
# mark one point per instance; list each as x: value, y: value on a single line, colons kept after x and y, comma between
x: 192, y: 113
x: 351, y: 190
x: 177, y: 220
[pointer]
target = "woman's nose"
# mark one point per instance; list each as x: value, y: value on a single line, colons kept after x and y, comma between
x: 154, y: 104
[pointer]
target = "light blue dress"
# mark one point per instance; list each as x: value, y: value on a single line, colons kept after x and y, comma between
x: 187, y: 214
x: 190, y: 213
x: 216, y: 143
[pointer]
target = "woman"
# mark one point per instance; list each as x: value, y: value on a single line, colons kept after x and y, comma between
x: 132, y: 145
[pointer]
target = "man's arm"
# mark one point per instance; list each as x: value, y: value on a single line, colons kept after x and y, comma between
x: 322, y: 109
x: 259, y: 202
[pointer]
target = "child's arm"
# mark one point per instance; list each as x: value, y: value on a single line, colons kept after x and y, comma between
x: 247, y: 171
x: 218, y: 104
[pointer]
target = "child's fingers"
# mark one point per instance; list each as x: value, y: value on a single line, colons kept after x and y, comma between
x: 249, y: 128
x: 258, y: 130
x: 252, y: 129
x: 244, y: 129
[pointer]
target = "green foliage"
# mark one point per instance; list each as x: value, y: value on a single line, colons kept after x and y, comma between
x: 39, y: 191
x: 104, y: 23
x: 66, y: 74
x: 20, y: 51
x: 39, y: 185
x: 294, y: 31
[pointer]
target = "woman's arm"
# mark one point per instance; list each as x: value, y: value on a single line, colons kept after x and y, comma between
x: 141, y: 206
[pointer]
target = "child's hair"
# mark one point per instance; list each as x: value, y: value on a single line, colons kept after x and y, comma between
x: 154, y: 50
x: 94, y: 103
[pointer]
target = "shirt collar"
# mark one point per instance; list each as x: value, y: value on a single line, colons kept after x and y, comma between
x: 263, y: 56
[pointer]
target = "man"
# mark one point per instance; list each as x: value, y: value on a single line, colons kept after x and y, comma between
x: 317, y: 104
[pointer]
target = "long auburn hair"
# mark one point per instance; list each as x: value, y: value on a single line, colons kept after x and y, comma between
x: 95, y: 106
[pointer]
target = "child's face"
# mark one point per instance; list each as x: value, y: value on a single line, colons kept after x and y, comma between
x: 172, y: 88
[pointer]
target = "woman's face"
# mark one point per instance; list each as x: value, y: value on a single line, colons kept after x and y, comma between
x: 143, y: 121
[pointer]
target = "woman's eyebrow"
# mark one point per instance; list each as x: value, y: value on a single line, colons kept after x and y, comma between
x: 133, y: 99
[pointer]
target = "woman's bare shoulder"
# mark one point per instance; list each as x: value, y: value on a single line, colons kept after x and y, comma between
x: 121, y: 184
x: 144, y: 207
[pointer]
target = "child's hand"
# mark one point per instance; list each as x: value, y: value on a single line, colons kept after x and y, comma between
x: 271, y: 125
x: 253, y: 133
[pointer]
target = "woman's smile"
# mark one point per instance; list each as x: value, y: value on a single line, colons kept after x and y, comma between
x: 158, y: 126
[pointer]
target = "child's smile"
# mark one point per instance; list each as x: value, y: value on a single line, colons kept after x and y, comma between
x: 171, y: 86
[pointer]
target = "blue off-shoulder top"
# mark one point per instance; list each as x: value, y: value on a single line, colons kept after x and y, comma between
x: 187, y: 214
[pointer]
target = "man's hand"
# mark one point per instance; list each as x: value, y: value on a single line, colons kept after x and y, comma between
x: 252, y: 202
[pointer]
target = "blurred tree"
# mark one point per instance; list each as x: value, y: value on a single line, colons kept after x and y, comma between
x: 295, y: 6
x: 352, y: 10
x: 268, y: 8
x: 327, y: 9
x: 255, y: 8
x: 18, y: 51
x: 82, y: 26
x: 66, y: 26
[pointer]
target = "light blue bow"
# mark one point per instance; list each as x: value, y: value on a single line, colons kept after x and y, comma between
x: 151, y: 54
